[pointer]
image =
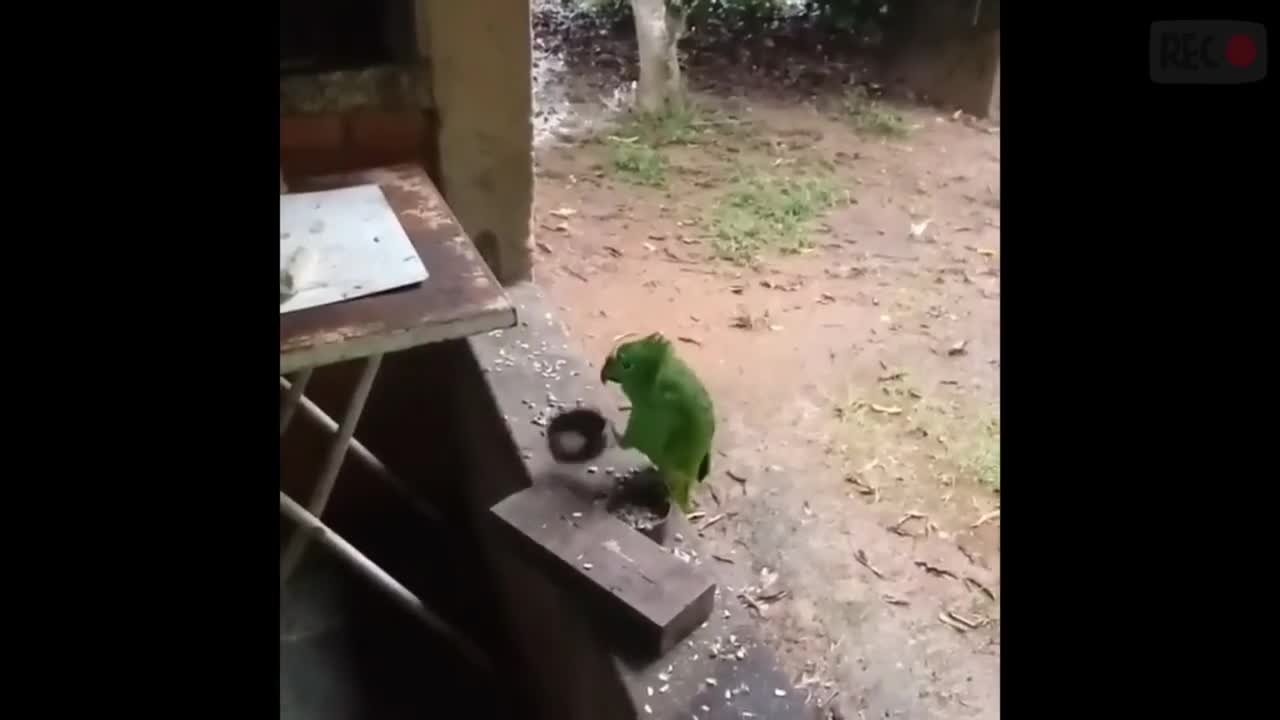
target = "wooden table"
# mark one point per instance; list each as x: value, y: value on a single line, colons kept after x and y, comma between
x: 460, y: 298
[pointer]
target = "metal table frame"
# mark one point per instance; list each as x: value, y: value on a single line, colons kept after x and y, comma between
x: 460, y: 298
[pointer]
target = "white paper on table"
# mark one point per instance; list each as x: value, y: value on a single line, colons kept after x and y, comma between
x: 357, y: 243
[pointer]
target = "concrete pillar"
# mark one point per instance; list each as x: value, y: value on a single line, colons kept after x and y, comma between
x: 479, y: 56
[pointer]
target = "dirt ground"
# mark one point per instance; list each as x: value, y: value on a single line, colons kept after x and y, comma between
x: 855, y: 486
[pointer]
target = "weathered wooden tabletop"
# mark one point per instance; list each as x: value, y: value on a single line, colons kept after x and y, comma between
x: 460, y: 298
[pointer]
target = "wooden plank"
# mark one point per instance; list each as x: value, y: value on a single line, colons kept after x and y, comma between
x: 626, y: 578
x: 460, y: 299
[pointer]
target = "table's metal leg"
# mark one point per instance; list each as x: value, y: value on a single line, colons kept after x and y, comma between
x: 298, y: 387
x: 333, y: 463
x: 311, y: 526
x: 363, y: 454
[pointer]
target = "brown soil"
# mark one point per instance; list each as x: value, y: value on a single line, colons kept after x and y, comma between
x: 852, y: 406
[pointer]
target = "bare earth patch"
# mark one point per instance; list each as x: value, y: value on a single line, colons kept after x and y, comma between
x: 834, y: 277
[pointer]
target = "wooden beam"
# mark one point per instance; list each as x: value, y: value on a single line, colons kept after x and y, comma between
x: 653, y: 599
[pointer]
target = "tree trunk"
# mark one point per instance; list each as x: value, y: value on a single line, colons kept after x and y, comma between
x: 658, y: 32
x: 651, y: 41
x: 676, y: 18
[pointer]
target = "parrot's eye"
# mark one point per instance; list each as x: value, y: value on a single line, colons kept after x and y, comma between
x: 626, y: 365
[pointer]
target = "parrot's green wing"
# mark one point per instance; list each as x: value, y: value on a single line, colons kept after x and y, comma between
x: 686, y: 448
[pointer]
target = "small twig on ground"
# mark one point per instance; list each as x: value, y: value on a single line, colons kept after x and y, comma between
x: 986, y: 518
x: 751, y: 603
x: 774, y: 596
x: 935, y: 570
x: 711, y: 521
x: 968, y: 622
x: 861, y: 557
x: 982, y: 588
x: 896, y: 528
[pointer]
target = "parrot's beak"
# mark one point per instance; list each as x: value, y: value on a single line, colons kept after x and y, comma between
x: 606, y: 371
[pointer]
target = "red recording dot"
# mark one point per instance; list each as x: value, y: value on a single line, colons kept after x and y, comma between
x: 1241, y: 51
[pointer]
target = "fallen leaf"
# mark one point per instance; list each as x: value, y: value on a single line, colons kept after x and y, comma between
x: 767, y: 578
x: 958, y: 348
x: 736, y: 477
x: 613, y: 251
x: 564, y: 213
x: 894, y: 600
x: 691, y: 341
x: 826, y: 298
x: 886, y: 409
x: 544, y: 247
x: 918, y: 229
x: 892, y: 376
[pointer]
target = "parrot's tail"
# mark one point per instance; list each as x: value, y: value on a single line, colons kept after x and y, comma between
x: 704, y: 468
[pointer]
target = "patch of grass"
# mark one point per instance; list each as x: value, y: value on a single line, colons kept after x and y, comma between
x: 983, y: 458
x: 678, y: 125
x: 872, y: 117
x: 764, y: 211
x: 970, y: 447
x: 638, y: 164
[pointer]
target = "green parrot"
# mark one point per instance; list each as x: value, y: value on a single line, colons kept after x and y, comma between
x: 672, y: 419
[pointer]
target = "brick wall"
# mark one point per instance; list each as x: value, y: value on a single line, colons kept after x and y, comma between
x: 344, y: 140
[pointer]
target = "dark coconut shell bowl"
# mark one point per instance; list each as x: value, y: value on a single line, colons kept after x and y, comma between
x: 577, y: 435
